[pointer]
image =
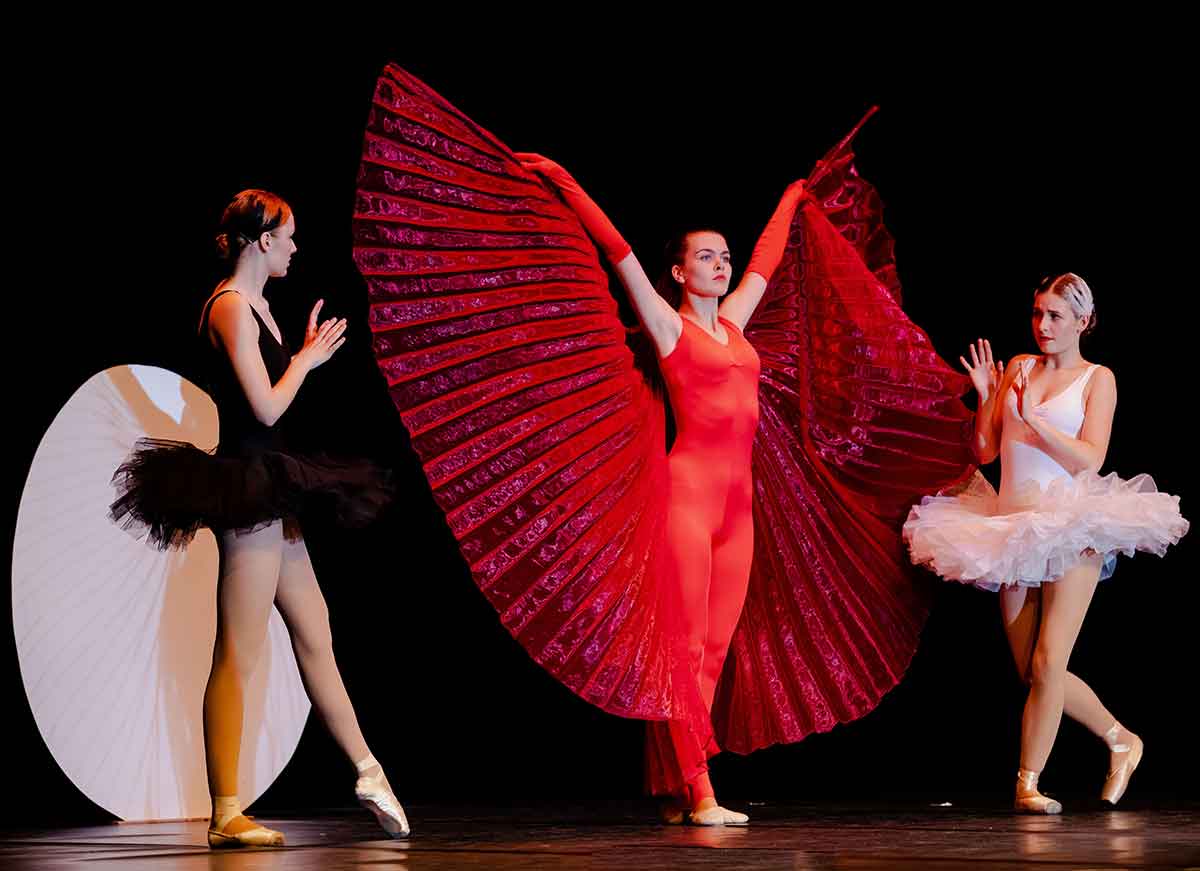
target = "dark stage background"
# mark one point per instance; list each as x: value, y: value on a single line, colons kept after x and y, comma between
x: 995, y: 169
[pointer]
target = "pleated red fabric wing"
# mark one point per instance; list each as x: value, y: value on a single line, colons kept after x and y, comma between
x: 502, y: 349
x: 858, y: 419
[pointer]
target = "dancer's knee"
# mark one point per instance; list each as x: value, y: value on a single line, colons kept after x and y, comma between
x: 1047, y: 668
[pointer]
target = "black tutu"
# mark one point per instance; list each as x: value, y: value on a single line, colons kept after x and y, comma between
x: 169, y: 489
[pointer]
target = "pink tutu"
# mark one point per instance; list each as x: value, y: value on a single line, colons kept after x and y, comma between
x: 967, y: 538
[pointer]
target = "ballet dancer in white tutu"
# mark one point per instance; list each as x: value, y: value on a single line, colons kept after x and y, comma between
x: 1055, y: 528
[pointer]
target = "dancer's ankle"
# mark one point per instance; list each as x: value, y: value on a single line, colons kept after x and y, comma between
x: 227, y: 815
x: 1118, y: 738
x: 368, y: 767
x: 699, y: 791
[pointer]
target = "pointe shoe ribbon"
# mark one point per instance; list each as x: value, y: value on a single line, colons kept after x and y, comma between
x: 226, y: 809
x: 1028, y: 800
x: 1118, y: 778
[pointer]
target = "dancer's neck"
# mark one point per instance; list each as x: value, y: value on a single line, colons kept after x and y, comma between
x: 700, y: 309
x: 1068, y: 359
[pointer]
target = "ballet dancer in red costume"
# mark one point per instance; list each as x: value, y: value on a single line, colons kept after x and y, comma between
x: 749, y: 589
x: 711, y: 372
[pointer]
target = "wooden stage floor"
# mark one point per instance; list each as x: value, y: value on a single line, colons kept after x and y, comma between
x: 618, y: 835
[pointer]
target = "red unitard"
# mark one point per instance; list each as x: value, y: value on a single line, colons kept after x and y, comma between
x: 709, y: 539
x: 710, y: 525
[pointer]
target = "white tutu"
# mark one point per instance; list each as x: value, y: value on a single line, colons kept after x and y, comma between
x: 965, y: 538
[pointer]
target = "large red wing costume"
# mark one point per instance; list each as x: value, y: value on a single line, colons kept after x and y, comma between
x: 499, y: 339
x: 858, y: 418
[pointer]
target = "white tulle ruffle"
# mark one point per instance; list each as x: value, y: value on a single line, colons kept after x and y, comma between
x: 966, y: 538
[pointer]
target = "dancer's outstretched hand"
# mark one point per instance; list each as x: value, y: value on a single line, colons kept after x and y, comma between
x: 535, y: 162
x: 321, y: 341
x: 797, y: 189
x: 592, y: 217
x: 310, y: 331
x: 547, y: 168
x: 985, y: 374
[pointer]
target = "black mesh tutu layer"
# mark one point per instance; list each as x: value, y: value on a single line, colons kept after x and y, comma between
x: 169, y: 489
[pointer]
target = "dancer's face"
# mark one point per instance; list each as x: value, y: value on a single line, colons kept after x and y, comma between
x: 1055, y: 326
x: 705, y: 269
x: 281, y: 247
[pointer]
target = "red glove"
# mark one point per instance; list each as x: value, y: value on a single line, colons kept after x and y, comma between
x: 769, y: 249
x: 599, y: 227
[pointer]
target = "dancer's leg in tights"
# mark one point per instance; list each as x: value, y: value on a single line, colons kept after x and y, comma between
x: 245, y: 591
x: 303, y: 607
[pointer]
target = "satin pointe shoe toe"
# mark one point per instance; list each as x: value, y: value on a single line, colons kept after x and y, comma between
x: 375, y: 794
x: 258, y: 836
